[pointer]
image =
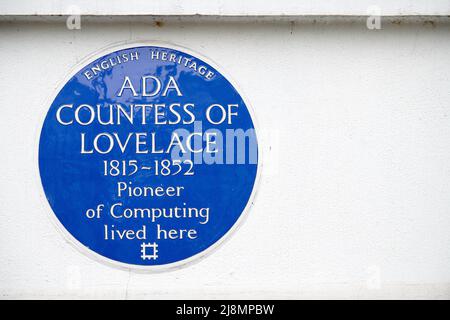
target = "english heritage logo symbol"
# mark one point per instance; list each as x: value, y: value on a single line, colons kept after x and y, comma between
x: 148, y: 157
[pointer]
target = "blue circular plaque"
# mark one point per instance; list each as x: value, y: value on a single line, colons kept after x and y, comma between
x: 148, y: 156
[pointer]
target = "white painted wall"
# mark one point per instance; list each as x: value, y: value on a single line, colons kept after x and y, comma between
x: 354, y: 200
x: 226, y: 7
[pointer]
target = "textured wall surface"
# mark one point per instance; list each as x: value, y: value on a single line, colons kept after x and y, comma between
x: 226, y: 7
x: 354, y: 198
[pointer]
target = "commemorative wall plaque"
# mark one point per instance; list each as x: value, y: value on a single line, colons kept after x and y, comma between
x: 148, y: 156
